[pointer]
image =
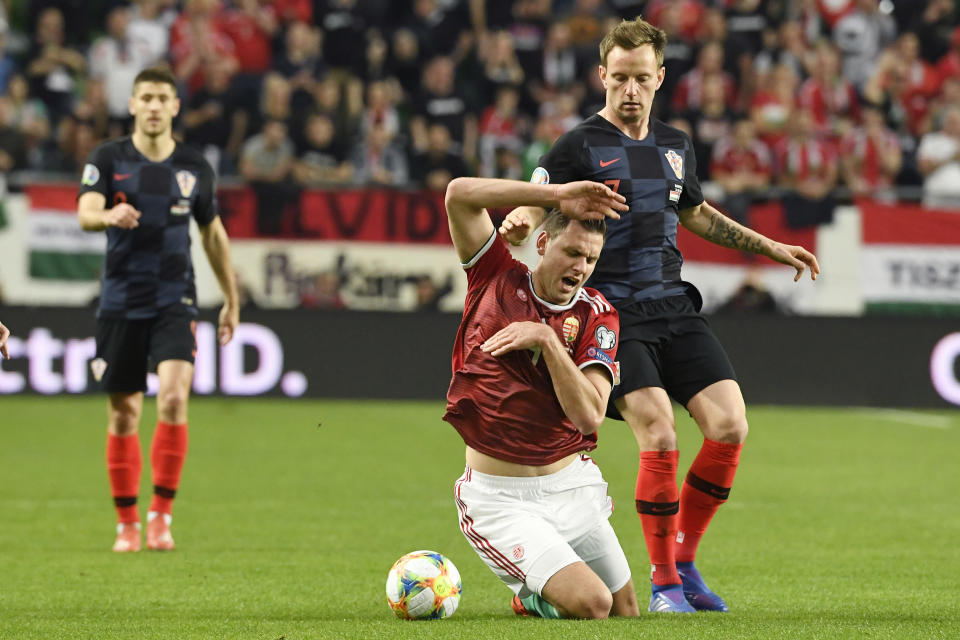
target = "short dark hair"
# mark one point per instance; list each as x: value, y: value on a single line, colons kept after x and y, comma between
x: 556, y: 223
x: 158, y: 74
x: 632, y: 34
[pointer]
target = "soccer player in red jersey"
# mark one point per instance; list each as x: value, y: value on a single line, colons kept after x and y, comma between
x: 667, y: 348
x: 533, y: 365
x: 143, y: 190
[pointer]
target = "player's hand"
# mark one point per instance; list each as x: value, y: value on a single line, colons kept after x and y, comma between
x: 124, y: 216
x: 227, y: 324
x: 588, y: 200
x: 517, y: 336
x: 516, y: 227
x: 797, y: 257
x: 4, y: 334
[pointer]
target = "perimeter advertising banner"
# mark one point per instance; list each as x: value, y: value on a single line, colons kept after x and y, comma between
x: 875, y: 361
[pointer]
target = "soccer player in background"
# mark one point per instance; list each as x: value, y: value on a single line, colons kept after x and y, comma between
x: 667, y: 349
x: 533, y: 365
x: 4, y: 334
x: 142, y: 190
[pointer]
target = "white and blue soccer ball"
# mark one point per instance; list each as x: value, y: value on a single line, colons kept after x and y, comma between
x: 423, y: 585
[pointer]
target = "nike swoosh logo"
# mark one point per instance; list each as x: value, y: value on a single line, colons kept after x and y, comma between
x: 608, y: 162
x: 124, y: 176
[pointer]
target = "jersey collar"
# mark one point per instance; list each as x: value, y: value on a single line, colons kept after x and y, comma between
x: 550, y: 305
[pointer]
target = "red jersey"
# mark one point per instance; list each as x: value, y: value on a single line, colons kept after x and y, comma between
x: 505, y: 406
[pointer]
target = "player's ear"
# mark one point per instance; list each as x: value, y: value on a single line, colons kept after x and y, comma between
x: 176, y: 105
x: 542, y: 239
x: 661, y: 74
x: 602, y: 71
x: 130, y: 103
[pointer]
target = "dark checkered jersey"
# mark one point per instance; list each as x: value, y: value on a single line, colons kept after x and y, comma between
x: 658, y: 177
x: 147, y: 270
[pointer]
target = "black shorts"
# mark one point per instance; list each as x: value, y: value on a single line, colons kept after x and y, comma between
x: 668, y: 344
x: 126, y: 347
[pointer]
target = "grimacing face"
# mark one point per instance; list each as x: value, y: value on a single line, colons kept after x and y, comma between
x: 566, y: 262
x: 631, y: 79
x: 153, y: 107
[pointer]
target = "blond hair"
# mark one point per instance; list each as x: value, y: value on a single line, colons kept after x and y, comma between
x: 630, y: 34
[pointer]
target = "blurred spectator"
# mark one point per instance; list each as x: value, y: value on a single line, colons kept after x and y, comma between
x: 197, y: 39
x: 935, y: 27
x: 545, y: 133
x: 439, y: 28
x: 711, y: 121
x: 75, y: 141
x: 429, y: 294
x: 939, y: 161
x: 831, y: 100
x: 29, y: 116
x: 785, y: 45
x: 53, y: 67
x: 529, y: 31
x: 506, y: 163
x: 438, y: 164
x: 322, y: 291
x: 807, y: 172
x: 266, y: 162
x: 678, y: 58
x: 746, y: 21
x: 689, y: 13
x: 688, y: 93
x: 300, y: 63
x: 949, y: 65
x: 343, y: 25
x: 770, y: 108
x: 75, y: 13
x: 751, y: 297
x: 404, y: 62
x: 8, y: 66
x: 343, y: 110
x: 861, y: 35
x: 741, y: 164
x: 438, y: 101
x: 289, y: 11
x: 500, y: 65
x: 561, y: 70
x: 13, y: 143
x: 500, y: 127
x: 115, y: 60
x: 379, y: 110
x: 379, y: 161
x: 251, y: 24
x: 889, y: 88
x: 275, y: 102
x: 377, y: 65
x: 214, y: 120
x: 585, y: 24
x: 870, y: 157
x: 322, y: 161
x: 150, y: 22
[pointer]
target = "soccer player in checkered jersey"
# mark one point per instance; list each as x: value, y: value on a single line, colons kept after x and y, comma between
x: 667, y: 349
x: 533, y: 364
x: 143, y: 190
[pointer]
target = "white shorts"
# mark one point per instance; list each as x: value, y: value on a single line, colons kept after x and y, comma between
x: 527, y: 529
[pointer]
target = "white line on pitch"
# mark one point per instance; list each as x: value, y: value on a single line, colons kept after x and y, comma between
x: 914, y: 418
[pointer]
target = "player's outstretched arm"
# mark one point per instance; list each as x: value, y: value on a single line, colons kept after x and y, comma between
x: 467, y: 199
x: 217, y: 247
x: 94, y: 217
x: 582, y: 394
x: 708, y: 223
x: 4, y: 334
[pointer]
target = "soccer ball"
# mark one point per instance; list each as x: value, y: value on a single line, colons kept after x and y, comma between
x: 423, y: 585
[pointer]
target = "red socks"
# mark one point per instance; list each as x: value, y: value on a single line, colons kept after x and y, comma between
x: 123, y: 467
x: 706, y: 487
x: 167, y: 453
x: 657, y: 505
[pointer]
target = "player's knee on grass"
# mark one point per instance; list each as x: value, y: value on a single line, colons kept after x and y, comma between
x: 593, y: 604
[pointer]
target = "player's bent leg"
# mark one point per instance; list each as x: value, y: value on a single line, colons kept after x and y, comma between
x: 577, y: 592
x: 625, y: 601
x: 649, y: 414
x: 720, y: 412
x: 602, y: 552
x: 721, y: 415
x: 173, y: 392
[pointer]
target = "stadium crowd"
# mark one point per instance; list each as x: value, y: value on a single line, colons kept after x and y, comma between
x: 805, y: 96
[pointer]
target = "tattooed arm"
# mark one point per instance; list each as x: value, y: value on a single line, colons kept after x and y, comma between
x: 710, y: 224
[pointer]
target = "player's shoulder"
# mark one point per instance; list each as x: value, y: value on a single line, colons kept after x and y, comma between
x: 593, y: 131
x: 592, y: 302
x: 186, y: 156
x: 116, y: 148
x: 667, y: 136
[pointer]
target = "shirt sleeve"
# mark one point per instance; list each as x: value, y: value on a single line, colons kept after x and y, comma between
x: 600, y: 339
x: 206, y: 207
x: 492, y: 259
x: 96, y: 173
x: 562, y: 163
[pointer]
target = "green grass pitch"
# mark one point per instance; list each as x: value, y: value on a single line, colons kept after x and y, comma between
x: 843, y: 523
